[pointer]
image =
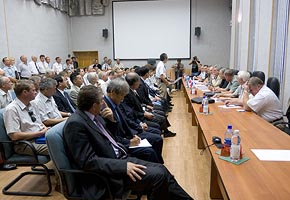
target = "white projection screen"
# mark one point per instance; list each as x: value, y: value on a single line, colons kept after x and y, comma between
x: 145, y: 29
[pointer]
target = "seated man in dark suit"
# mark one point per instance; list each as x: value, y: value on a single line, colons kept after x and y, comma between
x: 132, y: 100
x: 116, y: 91
x: 61, y: 97
x: 92, y: 148
x: 143, y: 91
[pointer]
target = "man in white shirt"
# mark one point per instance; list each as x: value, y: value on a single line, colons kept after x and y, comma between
x: 265, y: 103
x: 118, y: 64
x: 49, y: 64
x: 33, y: 66
x: 10, y: 70
x: 68, y: 65
x: 42, y: 65
x: 103, y: 77
x: 23, y: 68
x: 77, y: 81
x: 57, y: 66
x: 5, y: 95
x: 22, y: 121
x: 89, y: 69
x: 161, y: 75
x: 44, y: 102
x: 107, y: 65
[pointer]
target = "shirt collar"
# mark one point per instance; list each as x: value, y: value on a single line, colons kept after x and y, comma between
x: 43, y: 97
x: 90, y: 115
x: 2, y: 92
x: 111, y: 102
x: 21, y: 104
x: 61, y: 91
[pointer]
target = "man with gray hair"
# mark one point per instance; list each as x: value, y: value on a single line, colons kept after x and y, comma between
x: 85, y: 77
x: 116, y: 91
x: 92, y: 78
x: 33, y: 66
x: 243, y: 77
x: 44, y: 102
x: 5, y: 95
x: 24, y: 70
x: 103, y: 77
x: 265, y: 103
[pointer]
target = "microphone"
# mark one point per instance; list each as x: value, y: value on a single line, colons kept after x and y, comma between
x: 215, y: 141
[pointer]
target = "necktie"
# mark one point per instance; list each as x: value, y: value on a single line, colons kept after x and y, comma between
x: 68, y: 101
x: 119, y: 151
x: 37, y: 68
x: 117, y: 115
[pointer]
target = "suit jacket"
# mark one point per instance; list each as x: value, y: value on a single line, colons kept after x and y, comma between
x: 89, y: 150
x: 62, y: 102
x: 131, y: 119
x: 122, y: 129
x: 73, y: 93
x: 133, y: 101
x: 144, y: 93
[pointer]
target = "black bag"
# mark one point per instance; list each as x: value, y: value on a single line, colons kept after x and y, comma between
x: 198, y: 100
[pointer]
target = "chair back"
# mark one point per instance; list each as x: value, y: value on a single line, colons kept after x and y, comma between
x: 274, y: 84
x: 288, y: 113
x: 151, y: 62
x: 236, y: 71
x: 54, y: 141
x: 6, y: 149
x: 260, y: 75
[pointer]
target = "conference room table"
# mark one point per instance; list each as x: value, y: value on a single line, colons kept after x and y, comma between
x: 253, y: 179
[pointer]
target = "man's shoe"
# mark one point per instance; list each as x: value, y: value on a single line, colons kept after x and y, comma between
x: 169, y: 134
x: 7, y: 167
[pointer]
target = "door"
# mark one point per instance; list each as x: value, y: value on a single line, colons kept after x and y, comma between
x: 85, y: 58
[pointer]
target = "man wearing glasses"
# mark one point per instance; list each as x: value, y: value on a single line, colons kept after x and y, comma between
x: 22, y: 121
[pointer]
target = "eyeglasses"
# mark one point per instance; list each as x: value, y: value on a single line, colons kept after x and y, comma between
x: 33, y: 119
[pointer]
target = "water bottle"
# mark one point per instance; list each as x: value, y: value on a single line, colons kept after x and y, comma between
x: 227, y: 140
x: 189, y: 82
x: 193, y: 87
x: 205, y: 105
x: 187, y: 79
x: 235, y: 146
x: 228, y: 135
x: 193, y: 90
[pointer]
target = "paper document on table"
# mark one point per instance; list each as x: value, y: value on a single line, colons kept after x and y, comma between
x: 272, y: 154
x: 229, y: 106
x: 202, y: 88
x: 143, y: 143
x: 176, y: 80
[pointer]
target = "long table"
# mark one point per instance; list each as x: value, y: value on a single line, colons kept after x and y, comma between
x: 253, y: 179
